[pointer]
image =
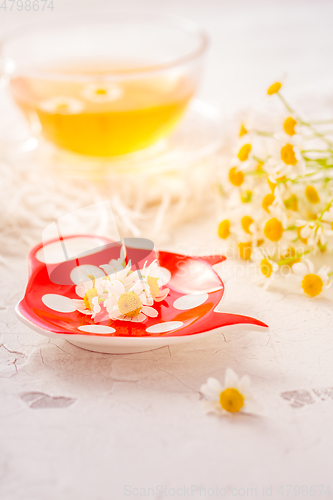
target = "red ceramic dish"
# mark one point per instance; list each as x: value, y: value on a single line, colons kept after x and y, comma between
x: 187, y: 312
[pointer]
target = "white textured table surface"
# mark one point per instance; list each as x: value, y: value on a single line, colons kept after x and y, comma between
x: 109, y: 424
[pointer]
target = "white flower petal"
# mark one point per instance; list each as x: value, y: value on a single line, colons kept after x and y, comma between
x: 162, y: 295
x: 213, y: 407
x: 212, y: 388
x: 300, y: 269
x: 149, y: 311
x: 243, y: 385
x: 107, y: 268
x: 323, y: 272
x: 139, y: 318
x: 80, y: 290
x: 231, y: 378
x: 79, y: 304
x: 310, y: 265
x: 85, y: 311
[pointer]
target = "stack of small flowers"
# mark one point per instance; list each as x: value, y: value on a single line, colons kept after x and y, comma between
x: 279, y: 197
x: 122, y: 294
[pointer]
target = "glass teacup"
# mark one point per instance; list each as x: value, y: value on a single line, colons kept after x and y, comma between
x: 104, y: 85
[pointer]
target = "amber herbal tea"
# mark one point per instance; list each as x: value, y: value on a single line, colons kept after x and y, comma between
x: 94, y: 114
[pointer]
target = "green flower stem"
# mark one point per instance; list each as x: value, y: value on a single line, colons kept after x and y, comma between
x: 317, y: 151
x: 262, y: 132
x: 291, y: 259
x: 302, y: 122
x: 328, y: 206
x: 258, y: 159
x: 320, y: 122
x: 289, y: 108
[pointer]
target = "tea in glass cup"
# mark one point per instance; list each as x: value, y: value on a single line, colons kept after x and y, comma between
x: 105, y: 86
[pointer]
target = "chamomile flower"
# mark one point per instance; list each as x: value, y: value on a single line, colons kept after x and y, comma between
x: 312, y: 283
x: 90, y: 291
x: 266, y: 269
x: 62, y: 105
x: 233, y: 396
x: 124, y: 275
x: 129, y: 305
x: 314, y: 232
x: 151, y: 276
x: 116, y: 265
x: 102, y: 92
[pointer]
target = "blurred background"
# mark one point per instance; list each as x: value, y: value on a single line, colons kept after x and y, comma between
x: 252, y: 42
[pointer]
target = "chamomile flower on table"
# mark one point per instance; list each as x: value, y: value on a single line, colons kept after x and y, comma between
x: 313, y: 283
x: 233, y: 396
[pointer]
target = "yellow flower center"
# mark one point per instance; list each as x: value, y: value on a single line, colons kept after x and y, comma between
x: 224, y: 229
x: 100, y: 92
x: 266, y: 268
x: 153, y: 286
x: 312, y: 194
x: 273, y: 89
x: 242, y: 131
x: 267, y: 201
x: 288, y: 155
x: 129, y: 304
x: 246, y: 223
x: 236, y: 177
x: 245, y: 250
x: 231, y: 400
x: 273, y: 230
x: 244, y: 152
x: 292, y: 203
x: 90, y: 294
x: 289, y: 126
x: 312, y: 285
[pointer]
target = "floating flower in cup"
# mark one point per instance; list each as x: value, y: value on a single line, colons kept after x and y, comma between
x: 233, y: 396
x: 102, y: 92
x: 63, y: 105
x: 312, y: 283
